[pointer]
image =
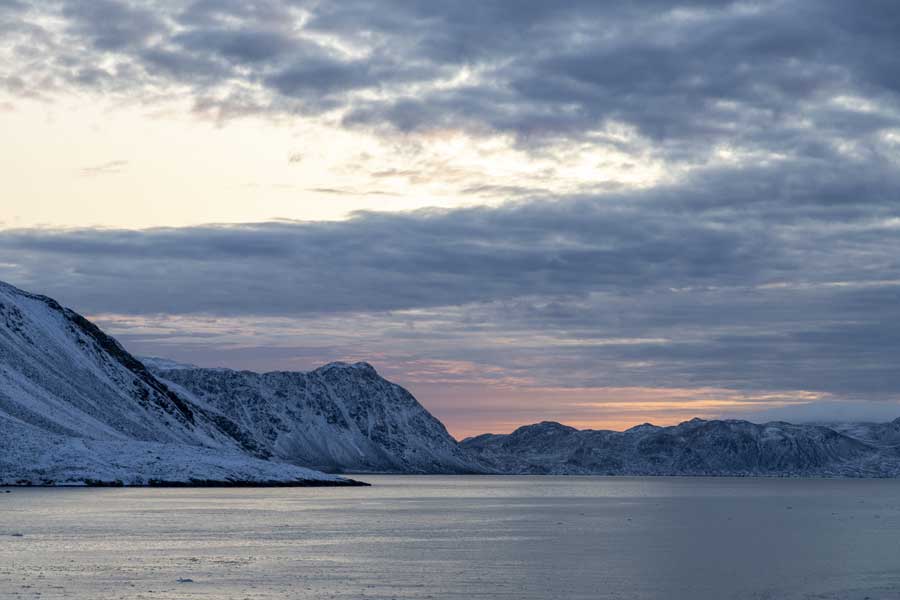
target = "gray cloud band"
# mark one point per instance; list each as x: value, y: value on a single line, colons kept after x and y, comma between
x: 734, y: 283
x: 686, y: 76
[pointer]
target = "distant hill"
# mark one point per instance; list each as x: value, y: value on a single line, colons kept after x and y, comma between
x: 696, y: 447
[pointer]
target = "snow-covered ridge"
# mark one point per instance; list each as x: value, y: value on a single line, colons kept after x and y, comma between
x: 161, y: 365
x: 697, y: 447
x: 75, y: 406
x: 339, y: 417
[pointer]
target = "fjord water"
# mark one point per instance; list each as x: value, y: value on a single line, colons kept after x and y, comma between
x: 459, y: 537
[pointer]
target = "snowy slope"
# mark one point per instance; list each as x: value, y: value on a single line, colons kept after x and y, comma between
x: 74, y: 405
x: 882, y: 435
x: 35, y: 457
x: 339, y: 417
x: 696, y: 447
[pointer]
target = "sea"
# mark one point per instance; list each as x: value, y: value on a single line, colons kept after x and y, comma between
x: 459, y: 537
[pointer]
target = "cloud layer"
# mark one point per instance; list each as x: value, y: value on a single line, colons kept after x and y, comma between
x: 763, y: 260
x: 780, y: 279
x: 688, y: 77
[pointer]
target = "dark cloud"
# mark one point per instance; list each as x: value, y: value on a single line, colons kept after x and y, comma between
x: 110, y: 25
x: 248, y: 46
x: 381, y: 261
x: 12, y: 6
x: 767, y: 77
x: 783, y: 277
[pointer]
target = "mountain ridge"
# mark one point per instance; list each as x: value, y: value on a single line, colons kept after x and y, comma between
x: 699, y: 447
x: 77, y: 408
x: 339, y: 417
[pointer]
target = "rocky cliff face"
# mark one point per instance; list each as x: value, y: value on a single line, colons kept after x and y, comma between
x: 696, y: 447
x: 76, y: 407
x: 339, y: 417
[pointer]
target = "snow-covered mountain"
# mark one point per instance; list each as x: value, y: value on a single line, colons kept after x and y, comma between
x: 75, y: 407
x: 880, y: 435
x: 339, y: 417
x: 696, y: 447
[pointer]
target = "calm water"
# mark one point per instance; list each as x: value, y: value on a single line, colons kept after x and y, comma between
x: 459, y: 537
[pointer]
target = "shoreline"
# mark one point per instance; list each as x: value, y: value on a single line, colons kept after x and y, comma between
x: 197, y: 483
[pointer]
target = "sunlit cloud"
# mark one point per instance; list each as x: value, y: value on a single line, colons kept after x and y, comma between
x: 108, y: 168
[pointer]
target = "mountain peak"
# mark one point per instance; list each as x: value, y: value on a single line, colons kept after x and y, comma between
x: 642, y: 427
x: 339, y: 364
x: 543, y: 428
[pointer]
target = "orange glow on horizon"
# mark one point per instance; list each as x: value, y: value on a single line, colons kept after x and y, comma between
x: 504, y: 410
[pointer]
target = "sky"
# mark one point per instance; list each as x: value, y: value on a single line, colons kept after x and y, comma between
x: 596, y: 213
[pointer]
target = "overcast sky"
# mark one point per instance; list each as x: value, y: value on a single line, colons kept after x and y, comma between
x: 597, y: 213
